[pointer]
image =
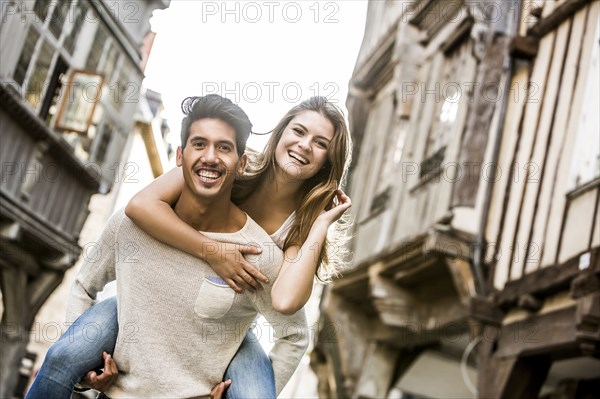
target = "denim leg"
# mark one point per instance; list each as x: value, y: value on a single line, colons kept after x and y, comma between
x: 251, y: 372
x: 78, y: 351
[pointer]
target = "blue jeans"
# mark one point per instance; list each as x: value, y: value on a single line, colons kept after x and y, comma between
x: 80, y: 349
x: 251, y: 372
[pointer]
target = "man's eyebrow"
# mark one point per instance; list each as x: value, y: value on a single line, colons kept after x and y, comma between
x: 226, y: 142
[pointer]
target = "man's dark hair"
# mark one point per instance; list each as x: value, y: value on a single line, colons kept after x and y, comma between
x: 215, y: 106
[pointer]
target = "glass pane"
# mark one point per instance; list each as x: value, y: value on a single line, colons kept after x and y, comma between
x: 449, y: 93
x: 109, y: 64
x: 26, y: 54
x: 102, y: 148
x: 41, y: 9
x: 58, y: 17
x: 124, y: 88
x: 35, y: 88
x: 97, y: 48
x: 79, y: 16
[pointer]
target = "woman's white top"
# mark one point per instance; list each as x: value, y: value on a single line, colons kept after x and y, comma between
x: 281, y: 234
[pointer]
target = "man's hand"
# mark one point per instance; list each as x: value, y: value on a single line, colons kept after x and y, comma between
x: 105, y: 380
x: 217, y: 391
x: 229, y: 263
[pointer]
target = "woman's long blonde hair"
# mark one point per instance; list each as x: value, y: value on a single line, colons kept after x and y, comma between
x: 317, y: 192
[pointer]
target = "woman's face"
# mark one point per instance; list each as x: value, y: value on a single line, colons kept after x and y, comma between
x: 302, y: 148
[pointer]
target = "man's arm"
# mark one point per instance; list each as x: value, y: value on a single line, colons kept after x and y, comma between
x: 291, y: 338
x: 97, y: 269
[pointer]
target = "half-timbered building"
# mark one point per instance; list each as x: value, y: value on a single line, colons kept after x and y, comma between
x: 70, y: 80
x: 475, y: 205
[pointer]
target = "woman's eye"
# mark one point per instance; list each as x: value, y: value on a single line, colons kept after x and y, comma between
x: 322, y: 144
x: 299, y: 132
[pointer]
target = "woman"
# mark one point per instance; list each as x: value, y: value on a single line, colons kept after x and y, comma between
x: 292, y: 192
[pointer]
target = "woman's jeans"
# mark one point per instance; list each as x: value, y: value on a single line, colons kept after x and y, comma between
x: 80, y: 349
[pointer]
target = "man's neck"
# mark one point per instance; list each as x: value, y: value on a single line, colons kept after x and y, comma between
x: 217, y: 215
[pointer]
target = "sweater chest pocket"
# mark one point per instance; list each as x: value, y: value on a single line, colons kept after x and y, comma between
x: 214, y: 299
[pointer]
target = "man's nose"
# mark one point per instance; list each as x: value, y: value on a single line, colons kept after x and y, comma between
x: 209, y: 155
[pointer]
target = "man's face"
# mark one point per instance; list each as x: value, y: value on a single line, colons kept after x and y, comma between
x: 209, y: 160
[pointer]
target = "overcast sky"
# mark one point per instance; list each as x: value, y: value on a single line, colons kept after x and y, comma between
x: 265, y: 55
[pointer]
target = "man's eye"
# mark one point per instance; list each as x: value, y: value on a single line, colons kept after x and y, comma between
x: 225, y: 148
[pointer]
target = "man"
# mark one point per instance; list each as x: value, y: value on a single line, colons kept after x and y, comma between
x: 179, y: 323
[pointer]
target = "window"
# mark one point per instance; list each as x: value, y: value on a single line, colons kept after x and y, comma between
x: 45, y: 62
x: 59, y: 15
x: 42, y: 9
x: 110, y: 63
x: 57, y: 81
x: 95, y: 54
x: 103, y: 142
x: 125, y: 90
x: 35, y: 86
x: 42, y: 63
x: 392, y: 153
x: 26, y: 55
x: 448, y: 87
x: 78, y: 17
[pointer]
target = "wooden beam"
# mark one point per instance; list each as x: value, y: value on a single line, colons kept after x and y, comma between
x: 485, y: 310
x: 475, y: 140
x: 587, y: 321
x: 524, y: 47
x: 545, y: 281
x: 556, y: 17
x: 529, y: 337
x: 513, y: 377
x: 587, y: 282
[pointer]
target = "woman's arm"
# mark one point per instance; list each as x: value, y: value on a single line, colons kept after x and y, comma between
x: 293, y: 286
x: 151, y: 209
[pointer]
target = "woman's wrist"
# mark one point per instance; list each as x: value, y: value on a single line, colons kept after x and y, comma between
x: 209, y: 251
x: 320, y: 226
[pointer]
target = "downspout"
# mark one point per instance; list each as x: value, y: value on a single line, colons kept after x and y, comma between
x: 478, y: 253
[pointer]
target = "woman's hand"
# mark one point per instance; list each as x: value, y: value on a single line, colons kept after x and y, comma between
x: 335, y: 211
x: 105, y: 380
x: 227, y: 260
x: 217, y: 391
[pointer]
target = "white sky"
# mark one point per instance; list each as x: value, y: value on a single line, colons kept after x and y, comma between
x: 265, y: 55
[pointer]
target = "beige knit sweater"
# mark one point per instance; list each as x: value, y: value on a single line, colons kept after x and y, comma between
x: 179, y: 327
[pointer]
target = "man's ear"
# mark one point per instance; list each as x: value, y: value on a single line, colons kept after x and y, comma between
x: 179, y: 158
x: 242, y: 164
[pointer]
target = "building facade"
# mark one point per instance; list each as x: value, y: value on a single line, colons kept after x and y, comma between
x: 70, y: 85
x: 476, y: 152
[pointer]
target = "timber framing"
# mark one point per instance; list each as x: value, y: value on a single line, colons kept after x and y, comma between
x: 560, y: 14
x: 34, y: 126
x: 379, y: 68
x: 524, y: 47
x: 427, y: 15
x: 548, y: 280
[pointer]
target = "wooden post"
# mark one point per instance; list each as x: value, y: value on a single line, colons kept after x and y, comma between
x: 513, y: 377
